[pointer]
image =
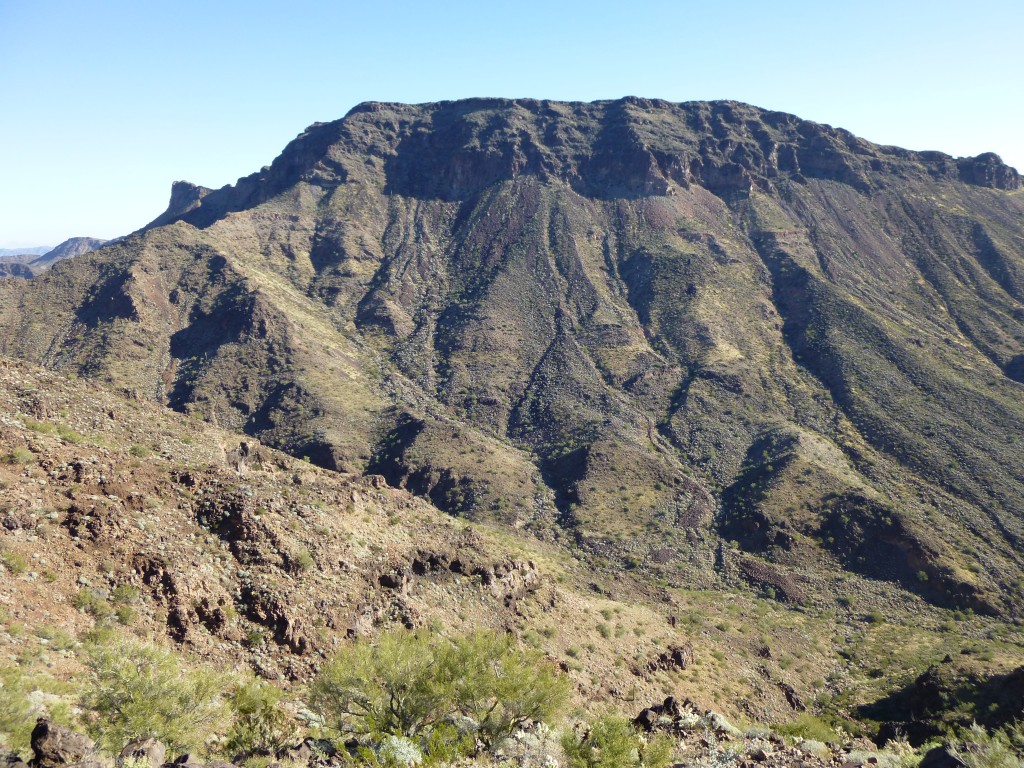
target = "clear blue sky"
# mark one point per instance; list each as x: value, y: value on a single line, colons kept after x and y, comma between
x: 105, y: 103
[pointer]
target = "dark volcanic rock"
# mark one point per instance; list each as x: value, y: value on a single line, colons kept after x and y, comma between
x: 988, y: 170
x: 946, y: 696
x: 54, y: 745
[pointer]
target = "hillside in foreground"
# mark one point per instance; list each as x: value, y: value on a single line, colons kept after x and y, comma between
x: 116, y: 513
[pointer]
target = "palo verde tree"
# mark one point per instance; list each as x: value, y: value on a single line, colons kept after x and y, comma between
x: 408, y: 684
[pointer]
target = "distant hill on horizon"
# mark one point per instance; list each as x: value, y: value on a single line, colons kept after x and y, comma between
x: 31, y: 262
x: 36, y: 250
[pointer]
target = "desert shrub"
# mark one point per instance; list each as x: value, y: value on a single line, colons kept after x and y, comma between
x: 807, y: 726
x: 124, y: 614
x: 612, y: 742
x: 303, y: 560
x: 261, y: 725
x: 18, y: 456
x: 92, y: 602
x: 898, y: 753
x: 409, y: 684
x: 63, y: 431
x: 501, y: 686
x: 56, y: 638
x: 125, y: 594
x: 137, y: 690
x: 12, y: 561
x: 1003, y: 748
x: 446, y: 744
x: 68, y: 435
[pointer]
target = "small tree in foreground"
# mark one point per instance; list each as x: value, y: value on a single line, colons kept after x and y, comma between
x: 137, y: 690
x: 409, y: 684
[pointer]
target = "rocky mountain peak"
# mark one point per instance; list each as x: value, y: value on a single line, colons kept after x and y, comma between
x: 631, y: 147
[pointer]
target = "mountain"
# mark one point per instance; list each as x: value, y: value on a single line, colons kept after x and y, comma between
x: 738, y: 396
x: 70, y: 248
x: 30, y: 264
x: 37, y: 250
x: 16, y: 266
x: 722, y: 345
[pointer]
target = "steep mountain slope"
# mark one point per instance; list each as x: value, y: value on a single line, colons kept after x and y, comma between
x: 115, y: 511
x: 656, y: 327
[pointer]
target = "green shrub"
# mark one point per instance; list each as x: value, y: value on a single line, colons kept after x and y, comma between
x: 807, y: 726
x: 56, y: 638
x: 1001, y: 749
x: 409, y: 683
x: 303, y: 560
x: 12, y: 561
x: 140, y: 451
x: 611, y: 742
x: 92, y: 602
x: 261, y: 725
x: 124, y: 614
x: 18, y: 456
x: 63, y: 431
x: 138, y: 690
x: 125, y: 594
x: 68, y: 435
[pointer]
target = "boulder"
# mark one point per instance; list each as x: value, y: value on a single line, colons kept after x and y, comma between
x: 54, y: 745
x: 12, y: 761
x: 142, y: 753
x: 646, y: 720
x: 720, y: 726
x: 185, y: 761
x: 308, y: 751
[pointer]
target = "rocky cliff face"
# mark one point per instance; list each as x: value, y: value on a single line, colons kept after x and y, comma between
x: 653, y: 328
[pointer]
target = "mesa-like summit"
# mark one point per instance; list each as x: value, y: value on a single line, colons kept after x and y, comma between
x: 719, y: 404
